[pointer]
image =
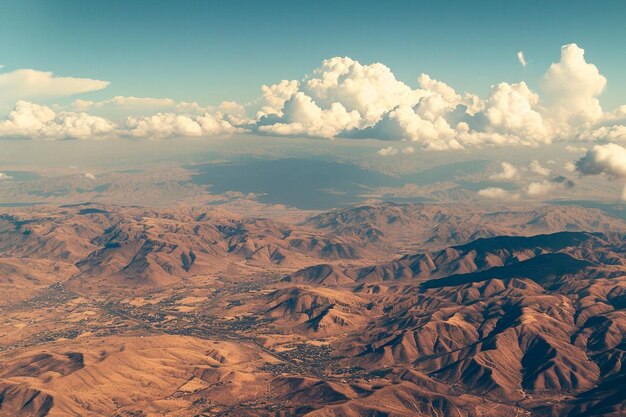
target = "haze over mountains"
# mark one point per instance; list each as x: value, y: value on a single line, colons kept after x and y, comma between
x: 381, y: 309
x: 314, y: 183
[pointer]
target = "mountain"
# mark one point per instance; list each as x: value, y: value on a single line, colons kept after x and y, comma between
x: 376, y: 310
x: 512, y: 318
x: 434, y: 226
x: 136, y: 246
x: 482, y: 259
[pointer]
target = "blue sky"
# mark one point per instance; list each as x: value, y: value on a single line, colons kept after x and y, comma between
x: 209, y: 51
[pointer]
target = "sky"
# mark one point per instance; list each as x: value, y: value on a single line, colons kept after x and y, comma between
x: 211, y: 51
x: 404, y: 80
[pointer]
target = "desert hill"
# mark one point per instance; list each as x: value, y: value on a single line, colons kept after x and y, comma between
x: 382, y: 310
x: 429, y: 226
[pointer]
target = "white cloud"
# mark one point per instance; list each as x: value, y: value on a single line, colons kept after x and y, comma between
x: 408, y: 150
x: 28, y: 84
x: 509, y: 172
x: 388, y: 151
x: 511, y: 109
x: 122, y: 107
x: 372, y: 90
x: 344, y: 98
x: 534, y: 190
x: 165, y: 125
x: 438, y: 98
x: 274, y: 97
x: 302, y: 116
x: 536, y: 167
x: 90, y: 176
x: 571, y: 89
x: 430, y: 120
x: 403, y: 122
x: 434, y: 115
x: 570, y: 167
x: 28, y: 120
x: 614, y: 133
x: 521, y: 58
x: 4, y: 176
x: 496, y: 193
x: 607, y: 159
x: 539, y: 189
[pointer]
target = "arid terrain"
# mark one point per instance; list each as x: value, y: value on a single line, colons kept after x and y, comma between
x: 375, y: 310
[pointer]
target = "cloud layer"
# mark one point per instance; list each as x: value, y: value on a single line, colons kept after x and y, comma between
x: 341, y: 98
x: 29, y: 84
x: 346, y: 98
x: 32, y: 121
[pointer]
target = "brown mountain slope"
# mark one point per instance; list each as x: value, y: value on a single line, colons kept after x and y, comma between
x: 515, y: 331
x: 454, y: 263
x: 133, y: 246
x: 427, y: 226
x: 128, y: 311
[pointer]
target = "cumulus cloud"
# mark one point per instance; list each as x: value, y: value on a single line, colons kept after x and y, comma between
x: 347, y: 98
x: 4, y: 176
x: 29, y: 120
x: 496, y: 193
x: 388, y: 151
x: 408, y: 150
x: 371, y: 90
x: 571, y: 88
x: 341, y: 96
x: 521, y: 58
x: 509, y: 172
x: 275, y: 96
x: 534, y: 190
x: 120, y: 108
x: 614, y: 133
x: 164, y: 125
x: 512, y: 109
x: 539, y: 189
x: 403, y: 122
x: 123, y: 107
x: 33, y: 121
x: 302, y: 116
x: 90, y: 176
x: 536, y: 167
x: 609, y: 159
x: 28, y: 84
